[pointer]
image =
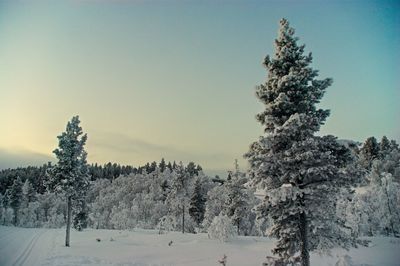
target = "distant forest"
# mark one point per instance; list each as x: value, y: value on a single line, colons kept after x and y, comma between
x: 37, y: 174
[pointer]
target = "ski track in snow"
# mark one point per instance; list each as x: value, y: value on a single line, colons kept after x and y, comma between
x: 21, y: 259
x: 23, y: 246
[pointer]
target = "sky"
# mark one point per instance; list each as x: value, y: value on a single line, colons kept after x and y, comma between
x: 176, y: 79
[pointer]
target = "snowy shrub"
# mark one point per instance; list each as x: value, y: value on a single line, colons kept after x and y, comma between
x: 216, y: 199
x: 345, y: 261
x: 55, y: 221
x: 165, y: 224
x: 373, y: 211
x: 29, y: 215
x: 122, y: 218
x: 221, y: 228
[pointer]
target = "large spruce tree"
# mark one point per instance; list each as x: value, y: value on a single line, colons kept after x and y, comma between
x: 300, y: 172
x: 70, y: 175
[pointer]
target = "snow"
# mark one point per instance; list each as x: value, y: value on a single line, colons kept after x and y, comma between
x: 27, y: 246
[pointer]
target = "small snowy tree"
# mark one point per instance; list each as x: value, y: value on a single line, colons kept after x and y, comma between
x: 301, y: 173
x: 70, y: 175
x: 178, y: 199
x: 369, y: 152
x: 237, y: 205
x: 221, y: 228
x: 379, y: 206
x: 216, y: 199
x: 28, y: 192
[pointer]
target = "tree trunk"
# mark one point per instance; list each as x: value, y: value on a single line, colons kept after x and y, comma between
x: 305, y: 256
x: 183, y: 218
x: 69, y: 210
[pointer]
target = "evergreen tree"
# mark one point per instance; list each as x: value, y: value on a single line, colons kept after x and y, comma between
x: 384, y: 147
x: 197, y: 203
x: 300, y: 172
x: 29, y: 194
x: 237, y: 206
x: 15, y: 198
x: 169, y: 166
x: 162, y: 165
x: 152, y: 167
x: 192, y: 169
x: 369, y: 152
x: 70, y: 175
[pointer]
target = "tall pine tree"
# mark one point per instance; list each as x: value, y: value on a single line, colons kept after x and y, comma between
x: 70, y: 175
x: 301, y: 173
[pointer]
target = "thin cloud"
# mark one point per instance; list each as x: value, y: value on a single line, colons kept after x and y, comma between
x: 120, y: 143
x: 20, y: 158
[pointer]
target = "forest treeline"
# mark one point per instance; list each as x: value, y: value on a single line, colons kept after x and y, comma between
x: 37, y: 174
x: 152, y: 196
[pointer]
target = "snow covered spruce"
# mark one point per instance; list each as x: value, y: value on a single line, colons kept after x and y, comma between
x: 70, y: 175
x: 300, y: 172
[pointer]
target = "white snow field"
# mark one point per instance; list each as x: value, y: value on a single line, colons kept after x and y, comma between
x: 25, y: 246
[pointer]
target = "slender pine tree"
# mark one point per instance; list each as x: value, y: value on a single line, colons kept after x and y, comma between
x: 70, y: 175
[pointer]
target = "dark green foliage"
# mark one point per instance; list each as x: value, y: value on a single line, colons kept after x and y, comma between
x: 197, y: 203
x: 384, y: 147
x: 162, y: 165
x: 15, y: 197
x: 192, y: 169
x: 81, y: 215
x: 35, y: 174
x: 369, y: 152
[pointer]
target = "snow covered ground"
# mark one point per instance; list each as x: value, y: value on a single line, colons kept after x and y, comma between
x: 24, y: 246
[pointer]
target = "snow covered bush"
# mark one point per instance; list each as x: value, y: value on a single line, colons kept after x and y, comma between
x: 345, y: 260
x: 374, y: 209
x: 29, y: 215
x: 216, y: 199
x: 221, y: 228
x: 165, y: 224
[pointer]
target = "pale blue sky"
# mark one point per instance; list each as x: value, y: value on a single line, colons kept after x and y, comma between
x: 176, y: 79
